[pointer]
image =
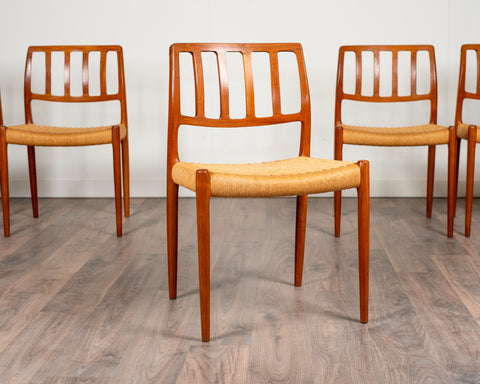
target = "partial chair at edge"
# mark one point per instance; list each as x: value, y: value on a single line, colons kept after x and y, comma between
x: 297, y: 176
x: 468, y: 132
x: 427, y: 134
x: 32, y: 135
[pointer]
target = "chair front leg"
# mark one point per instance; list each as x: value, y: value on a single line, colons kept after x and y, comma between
x: 364, y: 237
x: 203, y: 233
x: 172, y: 235
x: 472, y: 140
x: 338, y: 194
x: 430, y: 179
x: 126, y: 177
x: 452, y: 197
x: 117, y: 178
x: 457, y: 168
x: 32, y: 171
x: 300, y: 226
x: 4, y: 182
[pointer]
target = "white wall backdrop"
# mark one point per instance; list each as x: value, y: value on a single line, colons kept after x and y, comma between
x: 146, y: 28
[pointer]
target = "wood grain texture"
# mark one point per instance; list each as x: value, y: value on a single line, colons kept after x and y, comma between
x: 215, y: 364
x: 94, y: 308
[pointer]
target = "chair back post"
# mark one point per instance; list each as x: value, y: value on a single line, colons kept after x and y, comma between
x: 176, y: 118
x: 85, y: 96
x: 433, y: 85
x: 306, y: 131
x: 121, y: 88
x: 357, y: 94
x: 1, y: 113
x: 462, y: 93
x: 173, y: 108
x: 27, y: 87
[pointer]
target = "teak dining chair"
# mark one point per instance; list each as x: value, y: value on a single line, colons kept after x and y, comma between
x: 297, y: 176
x: 32, y: 135
x: 429, y: 134
x: 467, y: 131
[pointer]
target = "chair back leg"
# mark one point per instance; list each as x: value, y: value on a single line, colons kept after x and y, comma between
x: 430, y: 179
x: 32, y: 170
x: 4, y: 182
x: 126, y: 177
x: 472, y: 138
x: 117, y: 178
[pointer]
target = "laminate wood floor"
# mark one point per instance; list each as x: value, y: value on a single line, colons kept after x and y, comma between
x: 79, y: 305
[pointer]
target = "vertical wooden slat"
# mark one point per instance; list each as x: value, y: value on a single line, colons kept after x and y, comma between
x: 413, y: 73
x: 103, y: 73
x: 85, y: 73
x: 66, y: 81
x: 223, y: 79
x: 249, y: 90
x: 376, y: 76
x: 48, y: 73
x: 199, y: 84
x: 394, y: 73
x: 358, y: 73
x: 275, y: 83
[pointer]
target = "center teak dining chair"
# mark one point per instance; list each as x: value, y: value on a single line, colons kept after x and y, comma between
x: 298, y: 176
x: 32, y: 135
x: 426, y: 134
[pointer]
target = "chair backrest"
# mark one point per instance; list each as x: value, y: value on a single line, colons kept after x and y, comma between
x: 372, y: 68
x: 462, y: 93
x: 176, y: 118
x: 93, y: 60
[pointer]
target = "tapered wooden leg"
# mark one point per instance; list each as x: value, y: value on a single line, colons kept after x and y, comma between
x: 172, y: 235
x: 4, y: 182
x: 430, y: 178
x: 337, y: 199
x: 472, y: 139
x: 457, y: 168
x: 452, y: 144
x: 364, y: 237
x: 203, y: 233
x: 300, y: 225
x: 126, y: 177
x: 117, y: 178
x: 32, y: 170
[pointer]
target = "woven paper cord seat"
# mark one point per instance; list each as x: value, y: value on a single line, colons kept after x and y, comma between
x: 39, y: 135
x: 290, y: 177
x: 462, y: 131
x: 428, y: 134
